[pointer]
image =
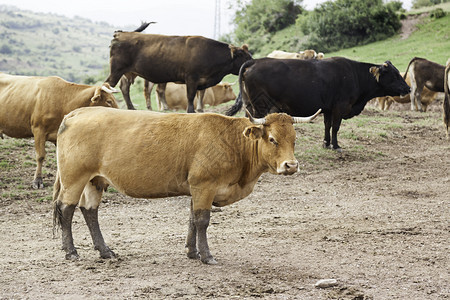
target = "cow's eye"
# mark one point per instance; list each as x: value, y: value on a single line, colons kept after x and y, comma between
x: 273, y: 141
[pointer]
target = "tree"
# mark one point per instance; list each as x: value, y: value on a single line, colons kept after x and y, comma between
x: 260, y: 19
x: 341, y: 24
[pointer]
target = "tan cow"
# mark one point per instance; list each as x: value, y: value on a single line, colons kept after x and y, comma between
x: 427, y: 98
x: 213, y: 158
x: 307, y: 54
x: 215, y: 95
x: 35, y: 106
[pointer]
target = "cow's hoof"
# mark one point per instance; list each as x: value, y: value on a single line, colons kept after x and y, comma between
x: 325, y: 145
x: 108, y: 254
x: 199, y: 110
x: 338, y: 149
x: 38, y: 184
x: 193, y: 254
x: 72, y: 255
x: 209, y: 261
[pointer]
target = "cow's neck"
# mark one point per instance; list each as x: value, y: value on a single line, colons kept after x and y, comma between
x: 369, y: 87
x: 253, y: 166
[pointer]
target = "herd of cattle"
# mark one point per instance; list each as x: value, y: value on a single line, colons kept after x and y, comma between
x: 216, y: 159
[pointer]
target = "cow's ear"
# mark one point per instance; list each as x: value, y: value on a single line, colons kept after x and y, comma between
x: 254, y: 132
x: 97, y: 95
x: 245, y: 47
x: 375, y: 72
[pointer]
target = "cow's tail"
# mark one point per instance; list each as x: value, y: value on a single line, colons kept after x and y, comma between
x: 56, y: 208
x: 407, y: 68
x: 143, y: 26
x: 238, y: 104
x: 446, y: 100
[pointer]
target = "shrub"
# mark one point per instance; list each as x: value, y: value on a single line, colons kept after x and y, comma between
x: 342, y: 24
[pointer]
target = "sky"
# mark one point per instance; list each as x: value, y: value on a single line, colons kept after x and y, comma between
x: 173, y: 17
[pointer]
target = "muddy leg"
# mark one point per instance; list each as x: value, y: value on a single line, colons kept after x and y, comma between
x: 91, y: 218
x: 201, y: 220
x: 191, y: 240
x: 64, y: 215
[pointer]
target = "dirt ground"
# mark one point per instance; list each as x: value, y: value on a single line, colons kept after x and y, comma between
x: 375, y: 218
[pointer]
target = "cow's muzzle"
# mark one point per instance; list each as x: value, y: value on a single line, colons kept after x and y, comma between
x: 288, y: 167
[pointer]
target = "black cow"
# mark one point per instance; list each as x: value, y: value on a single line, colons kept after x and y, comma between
x: 340, y: 87
x: 197, y: 61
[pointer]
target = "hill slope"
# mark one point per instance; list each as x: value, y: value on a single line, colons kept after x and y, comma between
x: 48, y: 44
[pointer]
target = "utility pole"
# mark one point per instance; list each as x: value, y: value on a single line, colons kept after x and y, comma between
x: 217, y: 20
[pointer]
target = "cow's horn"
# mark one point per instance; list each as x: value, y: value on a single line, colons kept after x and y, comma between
x: 107, y: 88
x: 255, y: 121
x: 234, y: 83
x: 306, y: 119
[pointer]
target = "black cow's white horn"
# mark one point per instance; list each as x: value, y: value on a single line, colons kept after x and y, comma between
x: 109, y: 89
x: 306, y: 119
x: 255, y: 121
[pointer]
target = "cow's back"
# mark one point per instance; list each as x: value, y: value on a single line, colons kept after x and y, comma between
x: 18, y: 97
x: 168, y: 152
x: 164, y: 58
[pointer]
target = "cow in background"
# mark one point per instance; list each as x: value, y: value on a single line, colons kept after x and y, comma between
x: 215, y: 95
x: 427, y: 97
x: 128, y: 79
x: 446, y: 97
x: 340, y: 87
x: 213, y: 158
x: 424, y: 73
x: 35, y: 106
x: 197, y: 61
x: 307, y: 54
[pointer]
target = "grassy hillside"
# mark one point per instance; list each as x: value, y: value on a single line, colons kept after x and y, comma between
x: 431, y: 40
x: 48, y: 44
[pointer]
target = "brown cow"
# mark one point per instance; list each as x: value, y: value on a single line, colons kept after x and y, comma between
x: 427, y: 97
x: 215, y: 95
x: 197, y: 61
x: 213, y: 158
x: 424, y: 73
x: 446, y: 97
x: 35, y: 106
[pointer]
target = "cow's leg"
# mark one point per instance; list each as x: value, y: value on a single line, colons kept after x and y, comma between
x: 201, y: 204
x: 124, y: 85
x: 63, y: 215
x: 161, y: 90
x: 191, y: 239
x: 336, y: 124
x: 148, y: 87
x: 418, y: 98
x: 65, y: 200
x: 191, y: 90
x: 39, y: 145
x: 89, y: 203
x: 327, y: 122
x: 201, y: 95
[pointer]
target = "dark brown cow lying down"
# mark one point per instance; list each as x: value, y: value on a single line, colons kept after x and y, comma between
x: 35, y: 106
x: 215, y: 159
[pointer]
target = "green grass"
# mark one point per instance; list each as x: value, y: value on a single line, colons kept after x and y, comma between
x: 430, y: 41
